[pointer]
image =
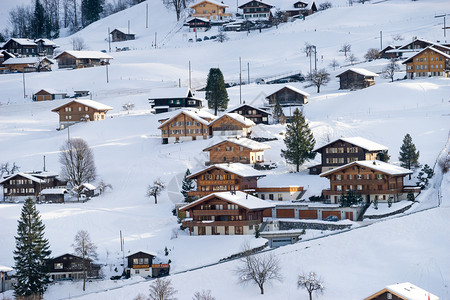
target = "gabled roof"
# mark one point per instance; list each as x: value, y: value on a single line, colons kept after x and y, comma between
x: 88, y: 186
x: 198, y: 18
x: 427, y: 48
x: 196, y: 115
x: 4, y: 269
x: 245, y: 4
x: 240, y: 198
x: 91, y: 103
x: 244, y: 142
x: 244, y: 104
x: 170, y: 93
x: 23, y: 174
x: 54, y: 191
x: 25, y: 60
x: 124, y: 30
x: 210, y: 1
x: 86, y: 54
x: 47, y: 42
x: 21, y: 41
x: 361, y: 71
x: 68, y: 254
x: 424, y: 41
x: 292, y: 89
x: 406, y: 291
x: 51, y: 91
x: 374, y: 165
x: 239, y: 169
x: 237, y: 117
x: 360, y: 142
x: 143, y: 251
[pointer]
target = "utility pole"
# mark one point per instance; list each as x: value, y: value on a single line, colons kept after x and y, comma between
x: 381, y: 40
x: 128, y: 26
x: 23, y: 80
x: 248, y: 73
x: 44, y: 163
x: 107, y: 75
x: 146, y: 15
x: 189, y: 74
x: 155, y: 40
x: 443, y: 16
x: 240, y: 81
x: 109, y: 39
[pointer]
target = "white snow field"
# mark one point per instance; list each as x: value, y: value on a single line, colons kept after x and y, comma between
x: 129, y: 154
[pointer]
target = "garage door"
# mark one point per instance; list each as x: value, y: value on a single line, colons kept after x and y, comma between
x: 307, y: 214
x: 267, y: 212
x: 327, y: 213
x: 285, y: 213
x: 349, y: 215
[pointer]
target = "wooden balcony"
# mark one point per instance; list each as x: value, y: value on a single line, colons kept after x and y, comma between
x: 363, y: 192
x: 216, y: 212
x: 222, y: 223
x: 217, y: 182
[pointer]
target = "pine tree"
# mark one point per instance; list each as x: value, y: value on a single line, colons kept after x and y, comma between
x: 186, y: 186
x: 278, y: 114
x: 38, y: 20
x: 31, y: 253
x: 408, y: 156
x: 410, y: 196
x: 90, y: 11
x: 424, y: 175
x: 216, y: 93
x: 299, y: 141
x: 383, y: 156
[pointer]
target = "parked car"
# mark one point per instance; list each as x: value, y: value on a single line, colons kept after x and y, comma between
x: 199, y: 40
x: 190, y: 40
x: 260, y: 81
x: 331, y: 219
x: 206, y: 38
x: 104, y: 51
x: 213, y: 37
x: 126, y: 49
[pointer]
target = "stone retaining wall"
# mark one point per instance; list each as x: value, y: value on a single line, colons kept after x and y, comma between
x: 286, y: 225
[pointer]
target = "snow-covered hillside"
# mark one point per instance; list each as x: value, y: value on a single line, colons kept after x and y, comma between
x: 129, y: 154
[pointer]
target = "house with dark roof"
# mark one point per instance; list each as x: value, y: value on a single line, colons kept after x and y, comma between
x: 256, y: 11
x: 80, y: 110
x: 140, y: 264
x: 48, y: 95
x: 429, y: 62
x: 71, y: 266
x: 356, y: 78
x: 224, y: 213
x: 197, y: 24
x: 26, y: 47
x: 28, y: 64
x: 122, y: 34
x: 288, y: 96
x: 257, y: 115
x: 82, y: 59
x: 168, y: 99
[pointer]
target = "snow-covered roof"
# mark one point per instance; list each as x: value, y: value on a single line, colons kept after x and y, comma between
x: 89, y: 186
x: 240, y: 198
x: 87, y: 102
x: 23, y: 174
x: 169, y: 93
x: 422, y: 40
x: 143, y: 251
x: 427, y: 48
x: 47, y: 42
x: 374, y: 165
x: 198, y: 18
x: 262, y: 2
x: 244, y: 104
x: 86, y: 54
x: 23, y: 60
x: 54, y: 191
x: 241, y: 119
x: 292, y: 89
x: 210, y: 1
x: 5, y: 269
x: 361, y: 71
x: 360, y: 142
x: 197, y: 115
x: 406, y: 290
x: 239, y: 169
x: 23, y: 42
x: 125, y: 30
x: 244, y: 142
x: 51, y: 91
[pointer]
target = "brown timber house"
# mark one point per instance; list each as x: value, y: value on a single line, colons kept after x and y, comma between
x: 122, y: 34
x: 71, y: 266
x: 80, y: 110
x: 82, y: 59
x: 288, y: 96
x: 356, y: 78
x: 257, y: 115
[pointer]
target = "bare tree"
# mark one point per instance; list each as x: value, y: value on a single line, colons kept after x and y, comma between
x: 78, y: 43
x: 259, y: 269
x: 398, y: 37
x: 325, y: 5
x: 346, y: 48
x: 311, y: 282
x: 222, y: 37
x: 85, y: 248
x: 177, y: 5
x: 372, y: 53
x: 102, y: 186
x: 128, y: 106
x: 334, y: 63
x: 307, y: 49
x: 4, y: 168
x: 351, y: 58
x: 162, y: 289
x: 77, y: 162
x: 279, y: 17
x: 390, y: 69
x: 140, y: 296
x: 203, y: 295
x: 318, y: 78
x: 156, y: 189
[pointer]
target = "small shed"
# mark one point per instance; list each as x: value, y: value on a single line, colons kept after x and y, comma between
x: 82, y: 59
x: 89, y: 190
x: 122, y: 34
x: 48, y: 94
x: 53, y: 194
x: 288, y: 96
x: 356, y: 78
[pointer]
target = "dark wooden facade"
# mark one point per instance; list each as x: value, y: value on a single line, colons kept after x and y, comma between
x: 120, y: 35
x: 353, y: 80
x: 257, y: 115
x: 28, y: 184
x: 230, y: 151
x: 199, y: 24
x: 288, y: 96
x: 256, y: 10
x: 165, y: 103
x: 75, y: 59
x: 45, y: 95
x: 140, y: 264
x: 217, y: 179
x: 26, y: 47
x: 71, y: 266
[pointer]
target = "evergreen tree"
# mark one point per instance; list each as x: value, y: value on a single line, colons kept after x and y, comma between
x: 39, y: 21
x: 31, y: 253
x: 278, y: 114
x: 383, y: 156
x: 299, y: 141
x: 409, y: 158
x: 90, y: 11
x: 350, y: 199
x: 186, y: 186
x: 424, y: 175
x: 410, y: 196
x: 216, y: 93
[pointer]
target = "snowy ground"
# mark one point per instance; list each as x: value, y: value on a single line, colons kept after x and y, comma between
x: 129, y: 155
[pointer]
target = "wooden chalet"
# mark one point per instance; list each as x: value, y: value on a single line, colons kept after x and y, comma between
x: 210, y: 10
x: 46, y: 47
x: 140, y: 264
x: 302, y: 8
x: 256, y: 10
x: 288, y: 96
x: 240, y: 150
x: 28, y: 184
x: 168, y: 99
x: 280, y: 193
x: 231, y: 124
x: 48, y: 95
x: 387, y: 53
x: 356, y: 78
x: 373, y: 179
x: 122, y: 34
x: 428, y: 62
x: 28, y: 64
x: 224, y: 213
x: 26, y: 47
x: 71, y: 266
x: 257, y: 115
x: 186, y: 126
x: 345, y: 150
x: 402, y: 291
x: 5, y: 279
x: 80, y: 110
x: 197, y: 24
x: 415, y: 46
x: 88, y: 189
x: 224, y: 177
x: 82, y: 59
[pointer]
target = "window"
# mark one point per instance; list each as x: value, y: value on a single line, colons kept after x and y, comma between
x: 145, y: 261
x: 379, y: 176
x: 58, y: 266
x: 338, y: 177
x: 79, y: 108
x: 359, y: 176
x: 271, y: 196
x: 136, y: 271
x: 339, y: 188
x: 135, y: 261
x: 350, y: 176
x: 359, y: 187
x: 280, y: 197
x: 86, y: 108
x: 352, y: 150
